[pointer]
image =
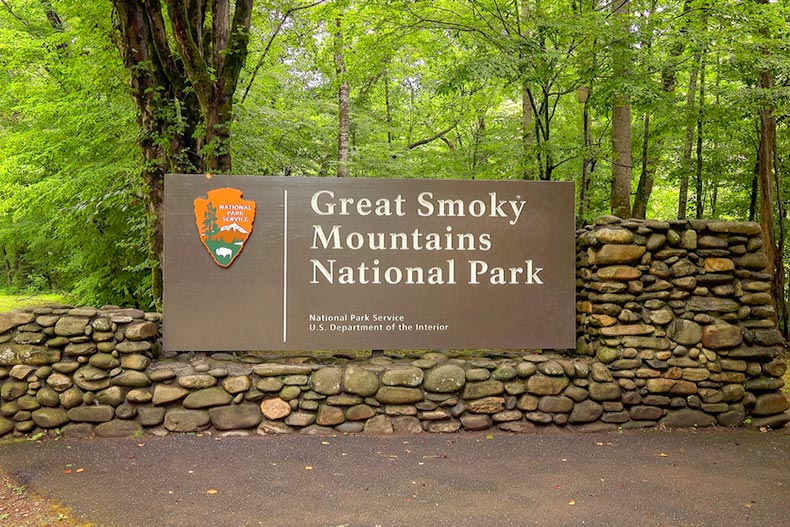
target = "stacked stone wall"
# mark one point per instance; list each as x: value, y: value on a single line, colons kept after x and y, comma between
x: 682, y: 315
x: 675, y: 329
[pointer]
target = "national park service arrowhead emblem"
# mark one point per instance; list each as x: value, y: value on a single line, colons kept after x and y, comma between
x: 224, y: 222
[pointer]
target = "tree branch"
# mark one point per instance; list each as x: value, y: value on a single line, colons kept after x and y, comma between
x: 161, y: 46
x: 236, y: 51
x: 12, y: 13
x: 220, y: 21
x: 194, y: 62
x: 434, y: 137
x: 270, y: 41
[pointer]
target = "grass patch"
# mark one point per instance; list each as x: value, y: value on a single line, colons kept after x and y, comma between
x: 10, y: 302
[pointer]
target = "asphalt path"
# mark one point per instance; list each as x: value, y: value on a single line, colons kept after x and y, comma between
x: 705, y: 478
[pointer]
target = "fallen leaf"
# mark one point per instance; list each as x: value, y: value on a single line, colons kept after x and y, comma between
x: 67, y: 471
x: 489, y: 436
x: 572, y: 502
x: 324, y: 442
x: 747, y: 505
x: 663, y: 455
x: 212, y: 491
x: 308, y: 467
x: 80, y: 470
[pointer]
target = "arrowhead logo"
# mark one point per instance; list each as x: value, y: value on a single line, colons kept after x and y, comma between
x: 224, y: 222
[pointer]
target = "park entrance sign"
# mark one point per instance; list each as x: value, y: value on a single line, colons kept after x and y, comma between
x: 341, y: 263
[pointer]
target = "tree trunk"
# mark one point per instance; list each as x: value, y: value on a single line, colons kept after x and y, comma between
x: 779, y: 280
x: 698, y: 186
x: 54, y: 19
x: 343, y: 104
x: 685, y: 165
x: 388, y: 105
x: 765, y: 173
x: 583, y: 96
x: 547, y: 166
x: 219, y: 114
x: 645, y: 187
x: 527, y: 131
x: 754, y: 189
x: 621, y: 119
x: 179, y: 90
x: 136, y: 45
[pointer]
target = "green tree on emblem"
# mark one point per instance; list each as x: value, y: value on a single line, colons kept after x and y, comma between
x: 210, y: 221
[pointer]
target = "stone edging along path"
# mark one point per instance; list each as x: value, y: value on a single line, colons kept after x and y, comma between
x: 674, y: 329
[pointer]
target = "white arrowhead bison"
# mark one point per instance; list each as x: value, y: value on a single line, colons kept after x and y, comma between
x: 223, y: 252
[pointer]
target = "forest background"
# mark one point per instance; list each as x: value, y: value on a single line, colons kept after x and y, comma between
x: 655, y: 108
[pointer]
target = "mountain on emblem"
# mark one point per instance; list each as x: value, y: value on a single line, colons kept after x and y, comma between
x: 224, y: 222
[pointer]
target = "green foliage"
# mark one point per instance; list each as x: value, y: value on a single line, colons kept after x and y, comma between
x: 437, y: 91
x: 71, y: 215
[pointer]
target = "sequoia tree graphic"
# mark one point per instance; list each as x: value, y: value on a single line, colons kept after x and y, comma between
x: 210, y: 221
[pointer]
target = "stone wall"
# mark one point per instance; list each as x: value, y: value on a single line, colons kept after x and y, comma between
x: 682, y: 315
x: 674, y: 325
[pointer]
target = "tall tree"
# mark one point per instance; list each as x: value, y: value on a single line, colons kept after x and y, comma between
x: 765, y: 173
x: 343, y: 102
x: 621, y: 116
x: 183, y: 76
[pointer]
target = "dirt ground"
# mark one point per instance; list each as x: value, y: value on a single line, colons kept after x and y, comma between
x: 21, y: 507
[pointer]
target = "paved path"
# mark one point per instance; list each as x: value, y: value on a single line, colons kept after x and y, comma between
x: 715, y: 478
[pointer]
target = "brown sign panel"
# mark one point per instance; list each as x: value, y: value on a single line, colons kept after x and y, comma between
x: 337, y: 264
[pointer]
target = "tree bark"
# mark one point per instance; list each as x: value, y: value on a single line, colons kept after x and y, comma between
x: 688, y: 144
x: 213, y: 63
x: 479, y: 152
x: 765, y: 174
x: 754, y: 189
x: 343, y: 104
x: 527, y: 125
x: 527, y: 131
x: 645, y: 186
x: 698, y: 186
x: 779, y: 280
x: 583, y: 97
x: 621, y: 121
x: 179, y: 90
x: 54, y: 19
x: 136, y: 46
x: 388, y: 107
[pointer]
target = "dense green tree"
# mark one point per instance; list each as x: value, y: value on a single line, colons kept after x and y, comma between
x: 71, y: 214
x: 184, y: 59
